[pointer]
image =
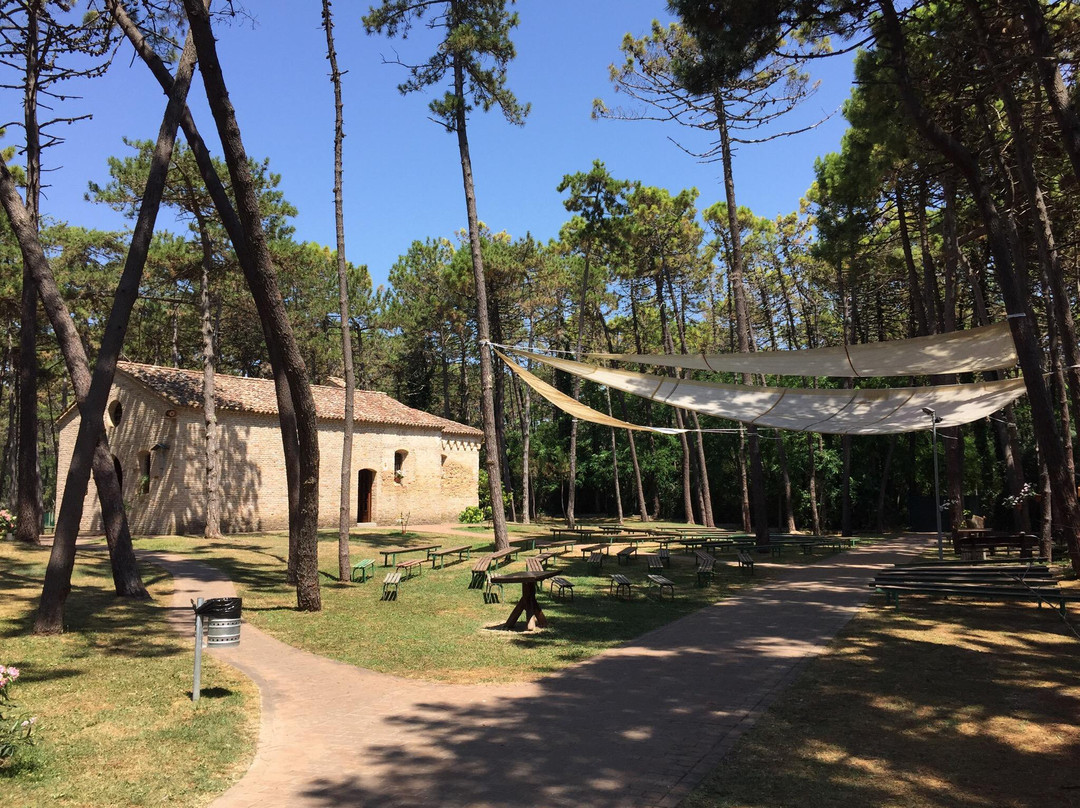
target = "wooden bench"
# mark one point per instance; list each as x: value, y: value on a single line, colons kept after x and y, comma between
x: 479, y: 569
x: 596, y: 563
x: 655, y: 563
x: 390, y: 554
x: 665, y: 556
x: 409, y: 565
x: 661, y: 583
x: 619, y: 583
x: 464, y: 550
x: 588, y: 549
x: 548, y: 544
x: 366, y: 568
x: 705, y: 564
x: 625, y: 554
x: 1051, y: 594
x: 510, y: 553
x: 559, y: 585
x: 534, y: 564
x: 544, y: 558
x: 745, y: 561
x: 390, y: 585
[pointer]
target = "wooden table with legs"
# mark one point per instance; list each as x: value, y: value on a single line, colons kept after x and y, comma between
x: 534, y: 615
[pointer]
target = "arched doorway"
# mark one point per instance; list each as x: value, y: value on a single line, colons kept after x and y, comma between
x: 119, y: 472
x: 365, y: 485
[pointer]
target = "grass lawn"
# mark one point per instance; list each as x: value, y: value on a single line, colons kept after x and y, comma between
x: 939, y: 704
x: 440, y: 629
x: 116, y: 725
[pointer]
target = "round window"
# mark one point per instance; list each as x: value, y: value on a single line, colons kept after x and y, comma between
x: 116, y: 412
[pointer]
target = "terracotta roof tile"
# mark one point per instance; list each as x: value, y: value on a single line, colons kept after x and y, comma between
x: 184, y: 389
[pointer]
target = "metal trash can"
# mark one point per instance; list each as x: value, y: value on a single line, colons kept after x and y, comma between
x: 222, y: 617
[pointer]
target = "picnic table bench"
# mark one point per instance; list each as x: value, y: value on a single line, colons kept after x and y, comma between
x: 462, y: 550
x: 619, y: 583
x: 1049, y: 593
x: 547, y: 544
x: 526, y: 543
x: 665, y: 556
x: 661, y: 583
x: 596, y: 562
x: 509, y: 552
x: 410, y: 564
x: 655, y: 563
x: 390, y: 554
x: 544, y: 558
x: 560, y: 585
x: 390, y: 586
x: 705, y: 564
x: 745, y: 561
x: 366, y: 568
x: 479, y: 570
x: 588, y: 549
x: 625, y: 554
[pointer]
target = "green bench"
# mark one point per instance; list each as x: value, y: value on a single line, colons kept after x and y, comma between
x: 705, y: 564
x: 1051, y: 594
x: 366, y: 569
x: 479, y: 570
x: 625, y: 554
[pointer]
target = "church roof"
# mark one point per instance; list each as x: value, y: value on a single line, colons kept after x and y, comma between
x: 183, y: 388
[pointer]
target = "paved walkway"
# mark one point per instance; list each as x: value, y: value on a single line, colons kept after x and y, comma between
x: 639, y: 725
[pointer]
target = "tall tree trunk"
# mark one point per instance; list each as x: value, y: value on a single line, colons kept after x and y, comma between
x: 345, y: 499
x: 487, y: 399
x: 125, y: 571
x: 669, y: 346
x: 811, y: 486
x: 263, y: 284
x: 883, y: 488
x: 759, y: 505
x: 28, y: 500
x: 50, y: 615
x: 615, y: 462
x: 213, y: 470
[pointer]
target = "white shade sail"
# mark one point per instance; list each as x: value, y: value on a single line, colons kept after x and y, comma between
x: 575, y: 408
x: 876, y: 411
x: 986, y: 348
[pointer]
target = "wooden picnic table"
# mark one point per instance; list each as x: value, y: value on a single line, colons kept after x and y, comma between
x: 534, y: 615
x: 526, y: 543
x: 547, y: 544
x: 391, y: 553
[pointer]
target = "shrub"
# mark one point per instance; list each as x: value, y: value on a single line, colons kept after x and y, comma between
x: 16, y: 729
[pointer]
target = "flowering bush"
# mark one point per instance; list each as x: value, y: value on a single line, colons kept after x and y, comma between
x: 7, y: 521
x: 1026, y: 492
x: 15, y: 729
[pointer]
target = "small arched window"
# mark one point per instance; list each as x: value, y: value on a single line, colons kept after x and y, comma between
x: 116, y: 412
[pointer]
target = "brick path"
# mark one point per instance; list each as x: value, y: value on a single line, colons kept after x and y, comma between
x: 639, y: 725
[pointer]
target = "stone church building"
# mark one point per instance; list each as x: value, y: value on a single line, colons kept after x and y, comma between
x: 406, y: 463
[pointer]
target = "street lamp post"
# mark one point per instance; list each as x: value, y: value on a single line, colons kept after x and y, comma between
x: 935, y: 419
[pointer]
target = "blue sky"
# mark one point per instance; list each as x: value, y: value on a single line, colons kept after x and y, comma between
x: 402, y: 173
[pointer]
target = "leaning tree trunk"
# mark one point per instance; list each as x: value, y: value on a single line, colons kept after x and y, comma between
x: 124, y: 567
x: 487, y: 399
x: 234, y: 227
x: 344, y: 504
x: 50, y: 615
x: 262, y: 281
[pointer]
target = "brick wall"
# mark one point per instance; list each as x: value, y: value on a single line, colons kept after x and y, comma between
x: 439, y: 475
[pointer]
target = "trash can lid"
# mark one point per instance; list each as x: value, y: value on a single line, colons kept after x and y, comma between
x: 227, y: 608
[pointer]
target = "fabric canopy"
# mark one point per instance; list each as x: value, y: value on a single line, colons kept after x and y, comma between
x: 987, y: 348
x: 842, y: 412
x: 576, y: 408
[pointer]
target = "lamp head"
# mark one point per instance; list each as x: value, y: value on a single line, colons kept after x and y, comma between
x: 929, y: 412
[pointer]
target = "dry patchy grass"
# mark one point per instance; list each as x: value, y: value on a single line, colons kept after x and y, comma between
x: 939, y: 704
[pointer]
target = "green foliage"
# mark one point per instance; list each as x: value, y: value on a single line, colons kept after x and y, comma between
x: 474, y: 515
